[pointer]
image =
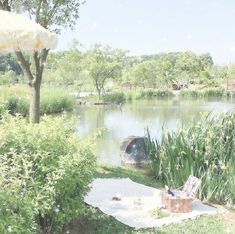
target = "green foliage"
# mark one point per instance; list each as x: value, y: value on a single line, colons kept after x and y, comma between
x: 116, y: 98
x: 56, y: 101
x: 45, y: 172
x: 103, y: 63
x: 204, y: 149
x: 133, y: 95
x: 155, y: 93
x: 50, y: 14
x: 17, y: 105
x: 147, y: 94
x: 9, y: 63
x: 209, y: 92
x: 15, y: 100
x: 8, y: 78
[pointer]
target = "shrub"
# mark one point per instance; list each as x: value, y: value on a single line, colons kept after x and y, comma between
x: 45, y: 172
x: 204, y: 149
x: 17, y: 105
x: 115, y: 98
x: 156, y: 93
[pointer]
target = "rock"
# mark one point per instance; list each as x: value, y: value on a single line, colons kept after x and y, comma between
x: 134, y: 150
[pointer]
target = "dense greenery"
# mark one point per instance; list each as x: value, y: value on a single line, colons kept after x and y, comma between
x: 15, y: 100
x: 45, y: 172
x: 104, y: 69
x: 204, y: 149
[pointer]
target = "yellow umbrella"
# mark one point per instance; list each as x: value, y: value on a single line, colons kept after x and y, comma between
x: 17, y: 33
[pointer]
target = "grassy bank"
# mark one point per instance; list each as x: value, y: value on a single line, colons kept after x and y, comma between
x: 98, y: 223
x: 15, y: 100
x: 131, y: 95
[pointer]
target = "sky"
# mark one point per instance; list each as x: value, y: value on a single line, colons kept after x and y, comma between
x: 154, y: 26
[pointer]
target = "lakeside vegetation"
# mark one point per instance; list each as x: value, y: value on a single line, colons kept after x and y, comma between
x: 104, y: 69
x: 204, y: 149
x: 15, y: 100
x: 46, y: 169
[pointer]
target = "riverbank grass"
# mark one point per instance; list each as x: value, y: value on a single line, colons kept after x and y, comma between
x: 97, y: 222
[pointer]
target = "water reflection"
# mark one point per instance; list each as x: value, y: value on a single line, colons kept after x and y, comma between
x: 135, y: 116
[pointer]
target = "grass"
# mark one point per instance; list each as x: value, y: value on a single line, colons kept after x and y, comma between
x: 95, y: 222
x: 204, y: 93
x: 15, y: 100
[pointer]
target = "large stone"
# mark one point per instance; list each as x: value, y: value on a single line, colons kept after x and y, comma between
x: 134, y: 150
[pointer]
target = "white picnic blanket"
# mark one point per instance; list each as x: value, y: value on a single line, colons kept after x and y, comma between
x: 137, y: 203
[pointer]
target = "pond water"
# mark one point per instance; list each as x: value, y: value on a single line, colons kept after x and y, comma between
x: 134, y: 117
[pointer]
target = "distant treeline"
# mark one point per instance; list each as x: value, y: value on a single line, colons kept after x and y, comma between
x: 103, y: 68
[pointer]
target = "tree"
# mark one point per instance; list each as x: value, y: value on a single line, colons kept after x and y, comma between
x: 52, y: 15
x: 143, y: 74
x: 64, y: 68
x: 102, y: 63
x: 187, y: 66
x: 206, y: 61
x: 164, y: 69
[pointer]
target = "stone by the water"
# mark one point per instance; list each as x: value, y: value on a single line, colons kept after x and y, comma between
x: 134, y: 150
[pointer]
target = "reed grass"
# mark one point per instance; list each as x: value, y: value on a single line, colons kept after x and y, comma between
x: 209, y: 92
x: 204, y: 149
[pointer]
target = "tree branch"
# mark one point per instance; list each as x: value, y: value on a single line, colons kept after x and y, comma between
x: 25, y: 66
x: 37, y: 15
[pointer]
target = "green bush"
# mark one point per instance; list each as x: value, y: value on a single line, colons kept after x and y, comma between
x: 115, y: 98
x: 205, y: 149
x: 45, y: 172
x: 17, y: 105
x: 156, y: 93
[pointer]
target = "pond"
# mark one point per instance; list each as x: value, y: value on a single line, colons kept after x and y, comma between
x: 133, y: 118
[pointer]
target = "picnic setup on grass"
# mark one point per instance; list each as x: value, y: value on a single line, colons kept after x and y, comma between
x: 140, y: 206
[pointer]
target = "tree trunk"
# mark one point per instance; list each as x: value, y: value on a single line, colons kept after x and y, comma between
x: 99, y: 93
x: 34, y: 112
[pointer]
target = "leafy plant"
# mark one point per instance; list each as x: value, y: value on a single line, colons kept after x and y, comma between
x: 204, y: 149
x: 45, y: 172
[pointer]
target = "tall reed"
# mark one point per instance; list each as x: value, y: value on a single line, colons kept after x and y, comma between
x: 209, y: 92
x: 205, y: 149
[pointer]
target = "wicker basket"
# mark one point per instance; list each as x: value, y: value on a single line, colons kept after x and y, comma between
x: 176, y: 204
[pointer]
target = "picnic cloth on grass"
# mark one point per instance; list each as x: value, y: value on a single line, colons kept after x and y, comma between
x: 136, y: 203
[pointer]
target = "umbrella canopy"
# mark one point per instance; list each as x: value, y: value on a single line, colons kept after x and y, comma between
x: 17, y: 33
